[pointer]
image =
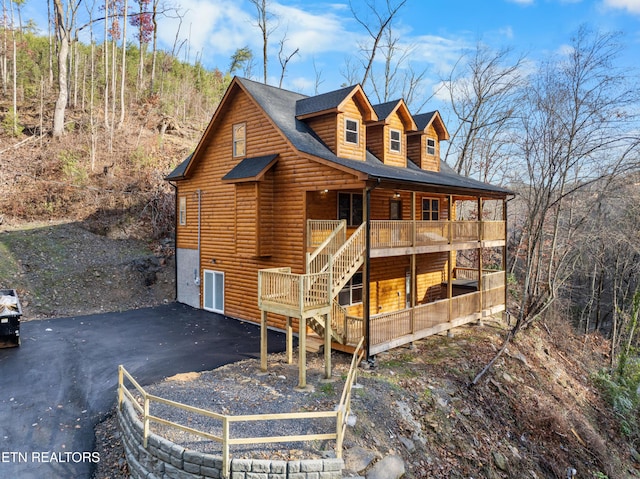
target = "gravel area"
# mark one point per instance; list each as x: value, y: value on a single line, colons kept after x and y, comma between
x: 241, y: 389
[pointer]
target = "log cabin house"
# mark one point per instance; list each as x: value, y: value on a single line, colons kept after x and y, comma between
x: 336, y: 213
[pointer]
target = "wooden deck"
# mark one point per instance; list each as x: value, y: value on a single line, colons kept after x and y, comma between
x: 397, y: 238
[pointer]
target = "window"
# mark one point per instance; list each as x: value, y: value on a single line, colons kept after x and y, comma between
x: 351, y: 132
x: 431, y: 146
x: 394, y: 140
x: 430, y: 209
x: 183, y: 210
x: 350, y: 208
x: 213, y: 289
x: 239, y: 139
x: 352, y: 291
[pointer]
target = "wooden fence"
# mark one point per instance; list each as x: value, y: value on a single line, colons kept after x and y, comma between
x: 341, y: 415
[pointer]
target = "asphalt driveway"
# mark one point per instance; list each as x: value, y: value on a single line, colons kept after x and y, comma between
x: 62, y: 381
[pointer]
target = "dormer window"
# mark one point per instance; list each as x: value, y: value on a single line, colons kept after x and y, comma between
x: 351, y: 131
x: 239, y: 139
x: 395, y: 144
x: 431, y: 146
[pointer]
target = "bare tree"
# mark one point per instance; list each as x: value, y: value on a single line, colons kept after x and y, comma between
x: 263, y: 22
x: 284, y: 59
x: 577, y: 112
x: 65, y: 17
x: 375, y: 22
x: 483, y: 90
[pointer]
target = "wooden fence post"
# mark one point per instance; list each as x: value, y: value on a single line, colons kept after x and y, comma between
x: 225, y: 448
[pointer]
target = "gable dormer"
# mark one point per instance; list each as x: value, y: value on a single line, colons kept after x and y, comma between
x: 339, y: 119
x: 386, y: 138
x: 423, y: 145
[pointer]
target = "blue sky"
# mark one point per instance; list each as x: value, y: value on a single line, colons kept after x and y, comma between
x: 436, y: 32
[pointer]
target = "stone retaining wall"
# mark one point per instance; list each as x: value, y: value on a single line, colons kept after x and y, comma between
x: 163, y: 459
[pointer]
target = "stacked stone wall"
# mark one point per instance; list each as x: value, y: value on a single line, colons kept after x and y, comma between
x: 162, y: 459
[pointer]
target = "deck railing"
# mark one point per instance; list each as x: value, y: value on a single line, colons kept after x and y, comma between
x: 301, y: 292
x: 340, y: 414
x: 319, y: 230
x: 347, y: 259
x: 399, y: 327
x: 318, y: 261
x: 401, y: 234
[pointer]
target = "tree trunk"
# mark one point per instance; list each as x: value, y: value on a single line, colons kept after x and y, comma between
x: 124, y: 64
x: 63, y: 54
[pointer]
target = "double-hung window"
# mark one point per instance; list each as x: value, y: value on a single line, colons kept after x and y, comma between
x: 239, y: 139
x: 350, y: 208
x: 182, y: 215
x: 430, y: 209
x: 395, y: 143
x: 351, y: 131
x: 431, y: 146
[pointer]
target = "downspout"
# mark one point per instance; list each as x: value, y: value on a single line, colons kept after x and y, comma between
x: 175, y: 240
x: 196, y: 273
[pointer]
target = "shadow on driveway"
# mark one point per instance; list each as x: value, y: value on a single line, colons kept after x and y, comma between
x: 62, y: 381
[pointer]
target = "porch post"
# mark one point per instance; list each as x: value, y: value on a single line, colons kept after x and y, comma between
x: 302, y: 354
x: 366, y: 300
x: 504, y: 251
x: 413, y: 284
x: 327, y: 346
x: 263, y: 342
x: 289, y: 335
x: 450, y: 267
x: 480, y: 251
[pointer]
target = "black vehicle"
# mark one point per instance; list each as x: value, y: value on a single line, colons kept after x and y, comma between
x: 10, y: 314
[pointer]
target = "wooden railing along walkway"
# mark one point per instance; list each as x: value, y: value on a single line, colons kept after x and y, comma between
x: 340, y: 414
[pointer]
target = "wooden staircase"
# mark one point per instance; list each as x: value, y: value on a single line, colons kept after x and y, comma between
x: 312, y: 295
x: 342, y: 261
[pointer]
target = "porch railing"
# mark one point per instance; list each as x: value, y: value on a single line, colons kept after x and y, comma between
x: 318, y: 261
x: 398, y: 234
x: 301, y: 292
x: 319, y: 230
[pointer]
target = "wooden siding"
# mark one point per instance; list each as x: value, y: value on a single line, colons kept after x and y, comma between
x: 237, y: 218
x: 326, y: 127
x: 246, y: 209
x: 417, y: 149
x: 348, y: 150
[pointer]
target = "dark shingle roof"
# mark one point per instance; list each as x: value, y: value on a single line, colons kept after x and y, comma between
x: 423, y: 119
x: 178, y: 172
x: 249, y: 168
x: 323, y: 102
x: 383, y: 110
x: 283, y: 106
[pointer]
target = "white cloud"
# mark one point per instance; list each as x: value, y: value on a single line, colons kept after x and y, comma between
x: 218, y: 27
x: 632, y: 6
x: 313, y: 33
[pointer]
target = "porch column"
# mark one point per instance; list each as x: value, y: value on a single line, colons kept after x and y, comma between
x: 504, y: 251
x: 450, y: 262
x: 327, y: 346
x: 289, y: 336
x: 480, y: 250
x: 366, y: 297
x: 413, y: 284
x: 263, y: 342
x: 302, y: 354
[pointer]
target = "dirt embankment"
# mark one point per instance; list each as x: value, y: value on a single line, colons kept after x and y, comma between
x: 63, y: 269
